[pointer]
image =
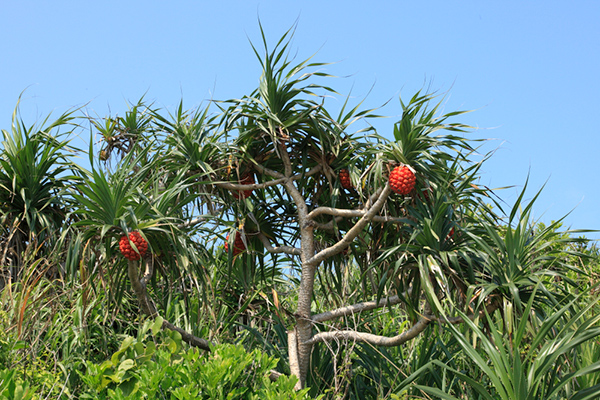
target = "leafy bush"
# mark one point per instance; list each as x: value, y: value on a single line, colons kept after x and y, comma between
x: 12, y: 388
x: 157, y: 366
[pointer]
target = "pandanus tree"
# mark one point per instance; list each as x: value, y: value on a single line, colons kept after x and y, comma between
x: 36, y: 171
x: 432, y: 250
x: 407, y: 227
x: 404, y: 245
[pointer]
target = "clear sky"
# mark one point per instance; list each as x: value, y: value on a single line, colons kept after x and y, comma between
x: 529, y: 69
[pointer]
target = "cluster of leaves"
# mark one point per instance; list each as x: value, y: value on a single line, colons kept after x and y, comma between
x: 13, y: 389
x: 159, y: 367
x: 36, y: 172
x: 516, y: 358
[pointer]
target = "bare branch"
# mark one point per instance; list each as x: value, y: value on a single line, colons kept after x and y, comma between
x: 371, y: 199
x: 383, y: 194
x: 386, y: 341
x: 303, y: 329
x: 193, y: 222
x: 278, y: 249
x: 285, y: 157
x: 139, y: 288
x: 252, y: 186
x: 280, y: 179
x: 188, y: 337
x: 339, y: 212
x: 274, y: 375
x: 293, y: 356
x: 359, y: 307
x: 370, y: 338
x: 269, y: 172
x: 328, y: 226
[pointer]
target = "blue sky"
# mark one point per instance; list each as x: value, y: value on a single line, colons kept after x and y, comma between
x: 529, y: 70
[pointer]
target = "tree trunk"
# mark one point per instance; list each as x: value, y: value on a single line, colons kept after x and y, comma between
x: 310, y: 261
x: 303, y: 329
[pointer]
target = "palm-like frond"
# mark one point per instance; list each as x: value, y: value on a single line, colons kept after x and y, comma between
x: 534, y: 361
x: 35, y: 171
x: 110, y: 203
x: 518, y: 256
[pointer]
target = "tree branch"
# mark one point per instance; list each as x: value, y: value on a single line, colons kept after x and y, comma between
x: 148, y: 307
x: 274, y: 375
x: 303, y: 328
x: 359, y: 307
x: 188, y: 337
x: 280, y: 179
x: 370, y: 338
x: 193, y: 221
x: 386, y: 341
x: 139, y: 288
x: 285, y: 157
x: 269, y: 172
x: 278, y: 249
x: 328, y: 226
x: 340, y: 212
x: 251, y: 186
x: 356, y: 229
x: 371, y: 199
x: 293, y: 356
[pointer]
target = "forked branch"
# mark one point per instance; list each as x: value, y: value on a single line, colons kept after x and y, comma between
x: 386, y: 341
x: 356, y: 229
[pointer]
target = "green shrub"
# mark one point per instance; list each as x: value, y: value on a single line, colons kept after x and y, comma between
x: 12, y: 388
x: 156, y: 365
